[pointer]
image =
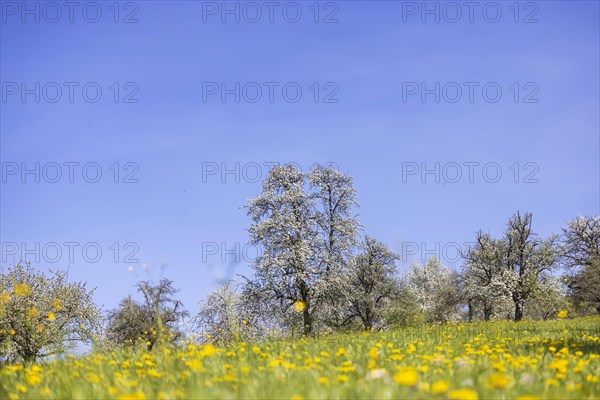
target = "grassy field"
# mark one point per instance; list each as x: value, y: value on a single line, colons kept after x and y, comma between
x: 500, y: 360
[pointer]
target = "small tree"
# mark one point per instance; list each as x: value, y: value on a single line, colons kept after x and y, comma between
x: 581, y: 256
x: 433, y: 285
x: 483, y: 280
x: 584, y: 285
x: 156, y: 318
x: 42, y: 315
x: 527, y: 258
x: 547, y: 300
x: 372, y: 283
x: 226, y: 316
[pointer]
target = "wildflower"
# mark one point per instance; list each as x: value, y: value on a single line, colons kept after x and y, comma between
x: 499, y: 381
x: 377, y: 374
x: 374, y: 353
x: 463, y: 394
x: 194, y: 365
x: 153, y: 372
x: 439, y: 387
x: 341, y: 352
x: 209, y: 350
x: 552, y: 382
x: 324, y: 380
x: 33, y: 379
x: 92, y: 378
x: 343, y: 378
x: 51, y: 316
x: 407, y: 377
x: 562, y: 314
x: 134, y: 396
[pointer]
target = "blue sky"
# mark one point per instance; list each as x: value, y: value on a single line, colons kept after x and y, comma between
x: 372, y: 57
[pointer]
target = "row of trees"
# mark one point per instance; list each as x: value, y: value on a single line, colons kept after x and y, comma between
x: 316, y: 274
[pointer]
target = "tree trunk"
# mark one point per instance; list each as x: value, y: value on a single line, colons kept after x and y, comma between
x: 518, y: 310
x: 487, y: 311
x: 307, y: 320
x: 470, y: 312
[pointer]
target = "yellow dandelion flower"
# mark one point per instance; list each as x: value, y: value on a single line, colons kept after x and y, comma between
x: 324, y: 380
x: 33, y: 379
x: 463, y: 394
x: 51, y: 316
x: 374, y: 353
x: 194, y: 365
x: 499, y: 381
x: 592, y: 378
x: 133, y: 396
x: 439, y: 387
x: 407, y: 377
x: 552, y: 382
x: 92, y: 378
x: 562, y: 314
x: 341, y: 351
x: 343, y: 378
x: 209, y: 350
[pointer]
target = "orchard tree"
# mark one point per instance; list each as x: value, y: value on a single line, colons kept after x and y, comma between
x: 581, y: 255
x: 547, y: 300
x: 226, y: 315
x: 285, y: 227
x: 581, y: 241
x: 372, y: 283
x: 526, y: 257
x: 483, y: 278
x: 154, y: 319
x: 433, y: 285
x: 43, y: 314
x: 337, y: 236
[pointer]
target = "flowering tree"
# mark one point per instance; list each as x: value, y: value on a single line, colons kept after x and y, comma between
x: 581, y: 244
x: 305, y: 226
x: 433, y: 286
x: 227, y: 315
x: 285, y: 227
x: 372, y: 283
x: 337, y: 236
x: 527, y: 258
x: 547, y: 300
x: 42, y: 315
x: 154, y: 319
x: 484, y: 277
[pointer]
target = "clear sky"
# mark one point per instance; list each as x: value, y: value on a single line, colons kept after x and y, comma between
x: 495, y: 88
